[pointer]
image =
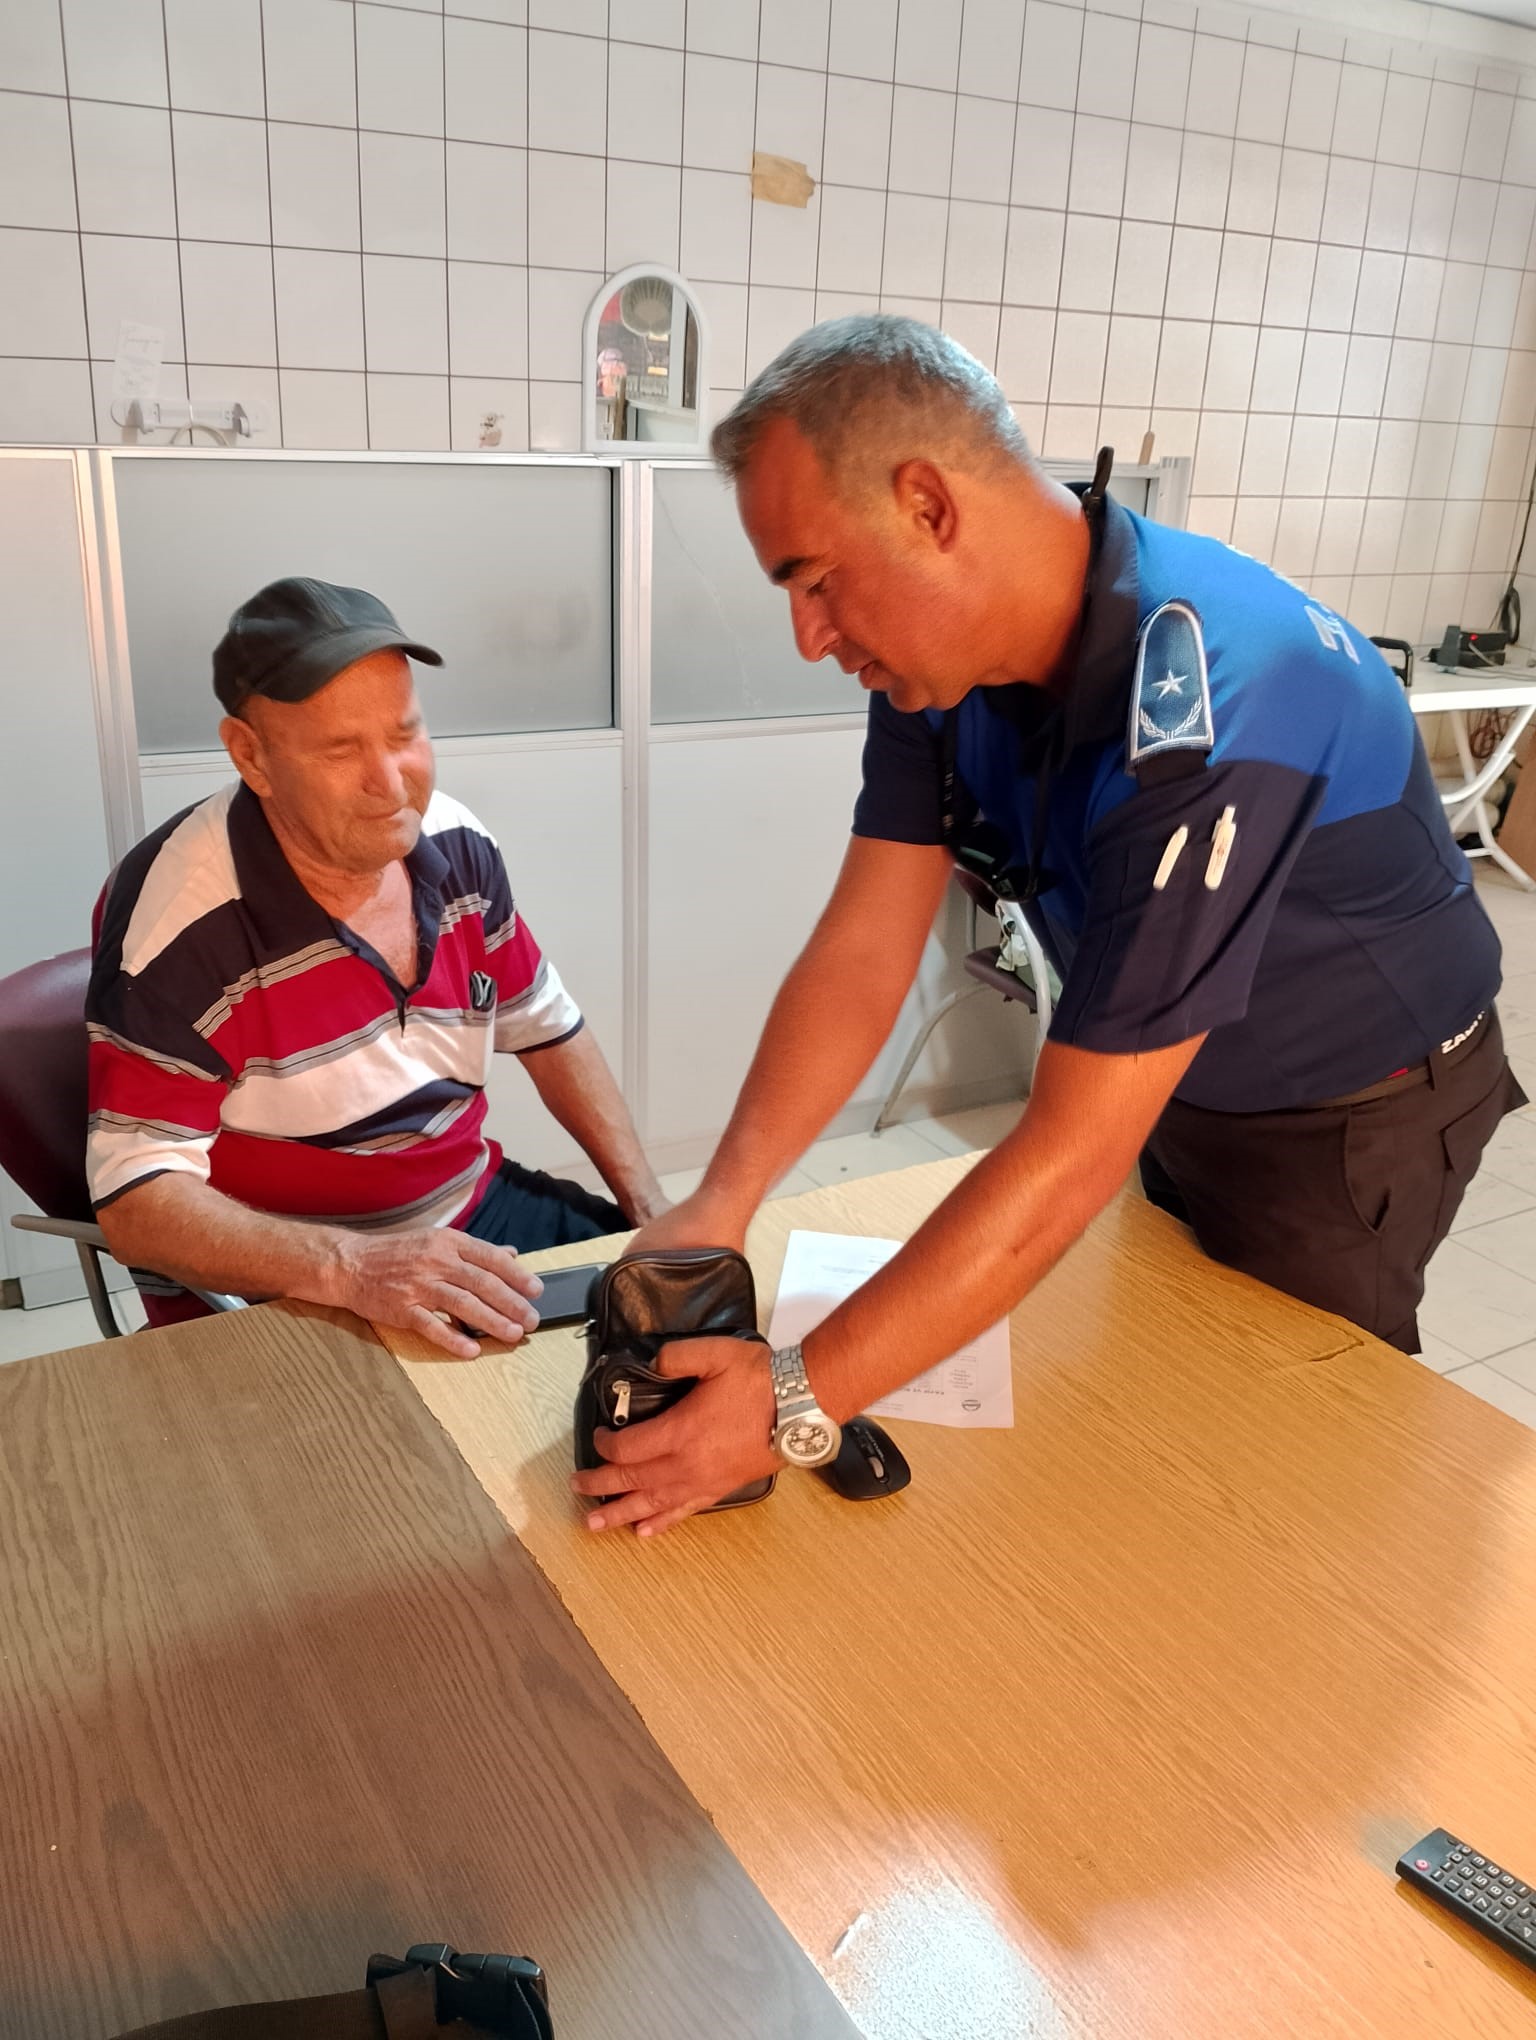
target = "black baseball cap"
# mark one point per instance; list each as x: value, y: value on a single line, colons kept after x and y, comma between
x: 297, y: 634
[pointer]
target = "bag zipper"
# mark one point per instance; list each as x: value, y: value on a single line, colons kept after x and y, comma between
x: 621, y: 1393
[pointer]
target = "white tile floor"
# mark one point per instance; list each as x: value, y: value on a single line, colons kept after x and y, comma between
x: 1479, y: 1314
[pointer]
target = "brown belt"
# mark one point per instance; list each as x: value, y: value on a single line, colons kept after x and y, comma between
x: 1459, y: 1046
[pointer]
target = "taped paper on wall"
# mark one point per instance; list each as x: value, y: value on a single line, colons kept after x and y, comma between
x: 136, y: 365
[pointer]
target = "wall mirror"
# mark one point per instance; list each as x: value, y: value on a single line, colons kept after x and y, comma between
x: 643, y: 365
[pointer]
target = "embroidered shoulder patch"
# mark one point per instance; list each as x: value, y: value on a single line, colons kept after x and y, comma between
x: 1171, y: 697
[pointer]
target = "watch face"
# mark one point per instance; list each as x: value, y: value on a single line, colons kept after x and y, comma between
x: 808, y: 1441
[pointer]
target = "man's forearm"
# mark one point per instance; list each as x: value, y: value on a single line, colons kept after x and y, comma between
x: 979, y: 1255
x: 824, y: 1030
x: 180, y: 1227
x: 579, y: 1090
x: 1004, y: 1228
x: 831, y: 1018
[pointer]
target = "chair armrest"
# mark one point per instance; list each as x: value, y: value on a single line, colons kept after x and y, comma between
x: 84, y: 1232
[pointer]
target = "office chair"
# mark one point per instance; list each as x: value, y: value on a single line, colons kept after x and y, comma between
x: 991, y: 975
x: 43, y: 1115
x: 1404, y: 651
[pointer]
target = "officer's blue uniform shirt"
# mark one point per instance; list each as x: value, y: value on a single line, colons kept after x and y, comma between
x: 1344, y: 941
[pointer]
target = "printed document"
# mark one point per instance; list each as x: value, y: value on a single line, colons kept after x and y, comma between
x: 973, y: 1389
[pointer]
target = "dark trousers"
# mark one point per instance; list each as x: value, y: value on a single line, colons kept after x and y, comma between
x: 526, y: 1209
x: 1340, y: 1205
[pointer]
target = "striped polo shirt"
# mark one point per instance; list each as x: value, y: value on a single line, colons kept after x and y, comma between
x: 241, y: 1035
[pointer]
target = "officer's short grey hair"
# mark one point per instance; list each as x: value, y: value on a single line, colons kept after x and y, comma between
x: 870, y: 391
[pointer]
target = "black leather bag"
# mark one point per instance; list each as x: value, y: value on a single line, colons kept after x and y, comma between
x: 640, y: 1305
x: 433, y: 1990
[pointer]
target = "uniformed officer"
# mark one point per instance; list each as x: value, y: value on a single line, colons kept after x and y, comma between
x: 1210, y: 794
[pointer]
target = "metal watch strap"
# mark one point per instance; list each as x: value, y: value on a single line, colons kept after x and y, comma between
x: 803, y: 1433
x: 791, y: 1383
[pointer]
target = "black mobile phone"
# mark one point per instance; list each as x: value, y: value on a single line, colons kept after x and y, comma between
x: 567, y: 1295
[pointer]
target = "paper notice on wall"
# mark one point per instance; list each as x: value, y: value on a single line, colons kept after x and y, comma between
x: 136, y: 364
x: 972, y: 1390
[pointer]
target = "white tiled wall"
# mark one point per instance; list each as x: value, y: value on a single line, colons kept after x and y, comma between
x: 1302, y: 256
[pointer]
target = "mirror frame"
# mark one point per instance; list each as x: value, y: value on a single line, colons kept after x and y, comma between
x: 648, y: 449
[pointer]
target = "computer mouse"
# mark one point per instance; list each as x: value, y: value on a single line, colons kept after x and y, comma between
x: 869, y: 1464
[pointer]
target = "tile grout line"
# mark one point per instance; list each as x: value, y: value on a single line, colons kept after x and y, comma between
x: 362, y: 264
x: 266, y: 129
x: 79, y: 236
x: 447, y: 253
x: 181, y: 281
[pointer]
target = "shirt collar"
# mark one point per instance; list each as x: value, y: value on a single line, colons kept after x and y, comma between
x: 1097, y: 697
x: 284, y: 915
x: 1094, y: 706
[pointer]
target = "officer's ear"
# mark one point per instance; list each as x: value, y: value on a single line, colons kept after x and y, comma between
x: 926, y: 503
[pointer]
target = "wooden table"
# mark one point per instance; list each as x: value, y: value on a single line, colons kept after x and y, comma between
x: 278, y: 1689
x: 1115, y: 1723
x: 1112, y: 1725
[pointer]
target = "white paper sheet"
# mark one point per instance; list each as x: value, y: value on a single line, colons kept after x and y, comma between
x: 972, y: 1390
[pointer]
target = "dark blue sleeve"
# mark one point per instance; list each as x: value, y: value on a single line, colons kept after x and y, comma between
x: 902, y: 798
x: 1154, y: 968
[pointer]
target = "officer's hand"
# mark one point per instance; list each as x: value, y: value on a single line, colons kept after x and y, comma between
x: 702, y: 1220
x: 413, y: 1280
x: 705, y: 1447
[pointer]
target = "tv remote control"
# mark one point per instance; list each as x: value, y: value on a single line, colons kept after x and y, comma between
x: 1477, y: 1891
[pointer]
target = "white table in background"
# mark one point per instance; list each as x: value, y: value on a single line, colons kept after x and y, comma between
x: 1458, y: 695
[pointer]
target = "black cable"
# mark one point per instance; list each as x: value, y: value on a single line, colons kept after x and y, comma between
x: 1507, y: 616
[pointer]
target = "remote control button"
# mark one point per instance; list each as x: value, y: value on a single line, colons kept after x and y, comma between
x: 1481, y: 1901
x: 1481, y: 1880
x: 1479, y: 1861
x: 1496, y: 1914
x: 1505, y: 1878
x: 1525, y: 1912
x: 1528, y: 1933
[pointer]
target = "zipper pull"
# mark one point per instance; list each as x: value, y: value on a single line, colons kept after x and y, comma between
x: 621, y: 1394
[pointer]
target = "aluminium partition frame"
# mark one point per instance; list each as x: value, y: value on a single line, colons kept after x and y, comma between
x: 632, y: 731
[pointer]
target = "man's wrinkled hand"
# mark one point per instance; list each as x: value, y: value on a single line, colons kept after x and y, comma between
x: 416, y: 1280
x: 705, y: 1447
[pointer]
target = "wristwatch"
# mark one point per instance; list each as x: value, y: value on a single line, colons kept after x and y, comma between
x: 803, y: 1433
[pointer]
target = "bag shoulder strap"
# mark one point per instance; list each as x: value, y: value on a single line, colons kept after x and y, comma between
x: 408, y: 2005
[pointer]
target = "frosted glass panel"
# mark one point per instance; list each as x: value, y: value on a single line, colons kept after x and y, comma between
x: 53, y: 837
x: 507, y: 571
x: 721, y: 645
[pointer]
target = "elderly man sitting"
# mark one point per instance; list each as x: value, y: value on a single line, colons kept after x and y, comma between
x: 297, y: 989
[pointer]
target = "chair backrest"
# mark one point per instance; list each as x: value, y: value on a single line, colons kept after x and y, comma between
x: 43, y: 1106
x: 975, y: 889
